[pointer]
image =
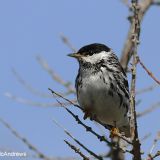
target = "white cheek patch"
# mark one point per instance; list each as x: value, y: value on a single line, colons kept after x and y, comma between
x: 96, y: 57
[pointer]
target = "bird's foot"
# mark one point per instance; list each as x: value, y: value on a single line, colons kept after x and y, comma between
x: 114, y: 132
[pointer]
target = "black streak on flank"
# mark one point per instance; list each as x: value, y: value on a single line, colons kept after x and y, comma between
x: 112, y: 86
x: 110, y: 79
x: 126, y: 83
x: 125, y: 106
x: 121, y: 99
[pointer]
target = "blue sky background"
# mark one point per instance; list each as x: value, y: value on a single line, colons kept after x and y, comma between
x: 30, y: 28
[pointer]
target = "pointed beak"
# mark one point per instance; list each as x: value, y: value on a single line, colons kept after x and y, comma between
x: 75, y: 55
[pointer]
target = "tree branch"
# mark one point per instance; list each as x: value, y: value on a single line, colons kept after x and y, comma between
x: 88, y: 129
x: 28, y: 86
x: 147, y: 89
x: 78, y: 142
x: 55, y: 76
x: 133, y: 121
x: 66, y: 41
x: 128, y: 46
x: 148, y: 72
x: 77, y: 150
x: 149, y: 110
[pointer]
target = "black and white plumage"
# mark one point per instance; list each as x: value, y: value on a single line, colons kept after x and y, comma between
x: 102, y: 86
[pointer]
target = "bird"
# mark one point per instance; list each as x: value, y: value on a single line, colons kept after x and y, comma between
x: 102, y: 86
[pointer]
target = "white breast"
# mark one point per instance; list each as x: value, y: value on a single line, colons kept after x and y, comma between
x: 94, y: 95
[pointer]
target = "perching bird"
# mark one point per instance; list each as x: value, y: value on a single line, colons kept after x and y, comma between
x: 102, y: 86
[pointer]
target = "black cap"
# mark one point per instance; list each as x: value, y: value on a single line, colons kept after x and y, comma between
x: 93, y: 49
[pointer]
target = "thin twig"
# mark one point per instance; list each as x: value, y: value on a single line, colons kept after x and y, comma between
x: 124, y: 138
x: 61, y: 96
x: 27, y: 101
x: 156, y: 3
x: 66, y: 41
x: 147, y: 89
x: 148, y: 71
x: 28, y: 86
x: 77, y: 150
x: 24, y: 140
x: 78, y: 142
x: 35, y: 104
x: 55, y: 76
x: 149, y: 109
x: 156, y: 155
x: 88, y: 129
x: 145, y: 137
x: 126, y: 2
x: 150, y: 155
x: 155, y: 142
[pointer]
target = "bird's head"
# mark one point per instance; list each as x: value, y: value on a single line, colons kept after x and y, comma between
x: 92, y: 53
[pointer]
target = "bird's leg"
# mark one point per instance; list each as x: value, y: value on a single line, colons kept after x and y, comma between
x: 87, y: 113
x: 114, y: 130
x: 93, y: 117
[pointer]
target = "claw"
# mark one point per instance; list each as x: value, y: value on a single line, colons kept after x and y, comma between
x: 113, y: 132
